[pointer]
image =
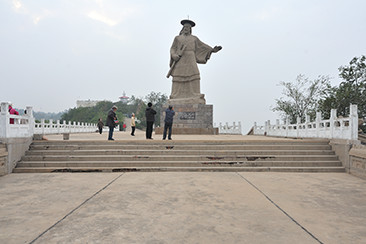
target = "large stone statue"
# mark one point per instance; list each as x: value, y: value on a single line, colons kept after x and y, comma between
x: 187, y: 50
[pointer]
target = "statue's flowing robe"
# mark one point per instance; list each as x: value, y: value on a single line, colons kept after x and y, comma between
x: 186, y: 76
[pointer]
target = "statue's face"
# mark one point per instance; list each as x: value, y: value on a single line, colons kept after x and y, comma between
x: 187, y: 29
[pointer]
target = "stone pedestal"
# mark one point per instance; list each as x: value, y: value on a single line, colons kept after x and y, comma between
x: 190, y: 119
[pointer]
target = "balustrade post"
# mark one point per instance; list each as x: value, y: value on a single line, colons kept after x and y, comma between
x: 57, y: 126
x: 51, y: 126
x: 29, y: 110
x: 42, y: 126
x: 31, y: 122
x: 298, y: 121
x: 239, y: 127
x: 333, y: 116
x: 307, y: 121
x: 317, y: 123
x: 62, y: 126
x: 4, y: 120
x: 287, y: 124
x: 353, y: 122
x: 255, y: 128
x: 266, y: 127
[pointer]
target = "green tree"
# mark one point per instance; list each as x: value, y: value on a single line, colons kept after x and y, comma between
x: 91, y: 114
x: 301, y: 97
x: 351, y: 90
x: 134, y: 105
x: 158, y: 100
x: 138, y: 106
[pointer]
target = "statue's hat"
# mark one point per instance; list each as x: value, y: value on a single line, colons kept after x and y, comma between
x: 187, y: 21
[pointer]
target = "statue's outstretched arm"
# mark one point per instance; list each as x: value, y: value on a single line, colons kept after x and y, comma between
x: 216, y: 49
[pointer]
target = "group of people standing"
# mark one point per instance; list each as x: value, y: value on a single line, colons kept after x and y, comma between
x: 150, y: 113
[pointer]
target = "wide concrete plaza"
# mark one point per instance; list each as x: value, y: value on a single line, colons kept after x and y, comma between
x: 182, y: 207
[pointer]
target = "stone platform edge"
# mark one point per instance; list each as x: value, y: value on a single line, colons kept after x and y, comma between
x: 189, y: 131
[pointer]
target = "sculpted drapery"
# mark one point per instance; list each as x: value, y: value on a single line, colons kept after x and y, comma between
x: 186, y: 51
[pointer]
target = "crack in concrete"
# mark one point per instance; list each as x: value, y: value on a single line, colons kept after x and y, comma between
x: 215, y: 158
x: 125, y: 170
x: 72, y: 211
x: 283, y: 211
x: 76, y: 170
x: 256, y: 158
x: 225, y: 163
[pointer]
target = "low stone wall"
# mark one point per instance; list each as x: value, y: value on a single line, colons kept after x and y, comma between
x: 3, y: 159
x: 352, y: 155
x: 16, y: 148
x: 357, y: 156
x: 341, y: 149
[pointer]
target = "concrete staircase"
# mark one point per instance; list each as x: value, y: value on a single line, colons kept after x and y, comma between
x: 218, y: 155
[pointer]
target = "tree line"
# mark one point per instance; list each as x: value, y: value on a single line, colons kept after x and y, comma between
x: 305, y: 97
x: 134, y: 105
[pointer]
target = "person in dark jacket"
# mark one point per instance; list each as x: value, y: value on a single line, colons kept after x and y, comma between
x: 111, y: 122
x: 100, y: 125
x: 150, y: 119
x: 168, y: 122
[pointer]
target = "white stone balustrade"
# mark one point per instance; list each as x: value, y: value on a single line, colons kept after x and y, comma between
x: 64, y: 127
x: 234, y: 129
x: 25, y: 126
x: 332, y: 128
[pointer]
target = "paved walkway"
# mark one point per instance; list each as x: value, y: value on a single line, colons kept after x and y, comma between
x: 182, y: 207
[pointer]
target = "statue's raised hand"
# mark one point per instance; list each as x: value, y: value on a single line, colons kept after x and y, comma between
x: 216, y: 49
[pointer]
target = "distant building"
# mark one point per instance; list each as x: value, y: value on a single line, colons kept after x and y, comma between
x: 86, y: 103
x: 124, y: 98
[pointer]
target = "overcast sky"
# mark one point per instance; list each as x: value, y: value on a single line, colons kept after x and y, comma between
x: 53, y: 53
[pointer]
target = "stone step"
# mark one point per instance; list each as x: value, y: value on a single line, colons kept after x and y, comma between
x: 52, y: 164
x: 189, y: 142
x: 178, y: 169
x: 173, y: 151
x: 184, y: 155
x: 179, y: 147
x: 180, y: 158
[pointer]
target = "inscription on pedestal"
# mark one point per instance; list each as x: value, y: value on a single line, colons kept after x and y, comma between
x: 187, y: 115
